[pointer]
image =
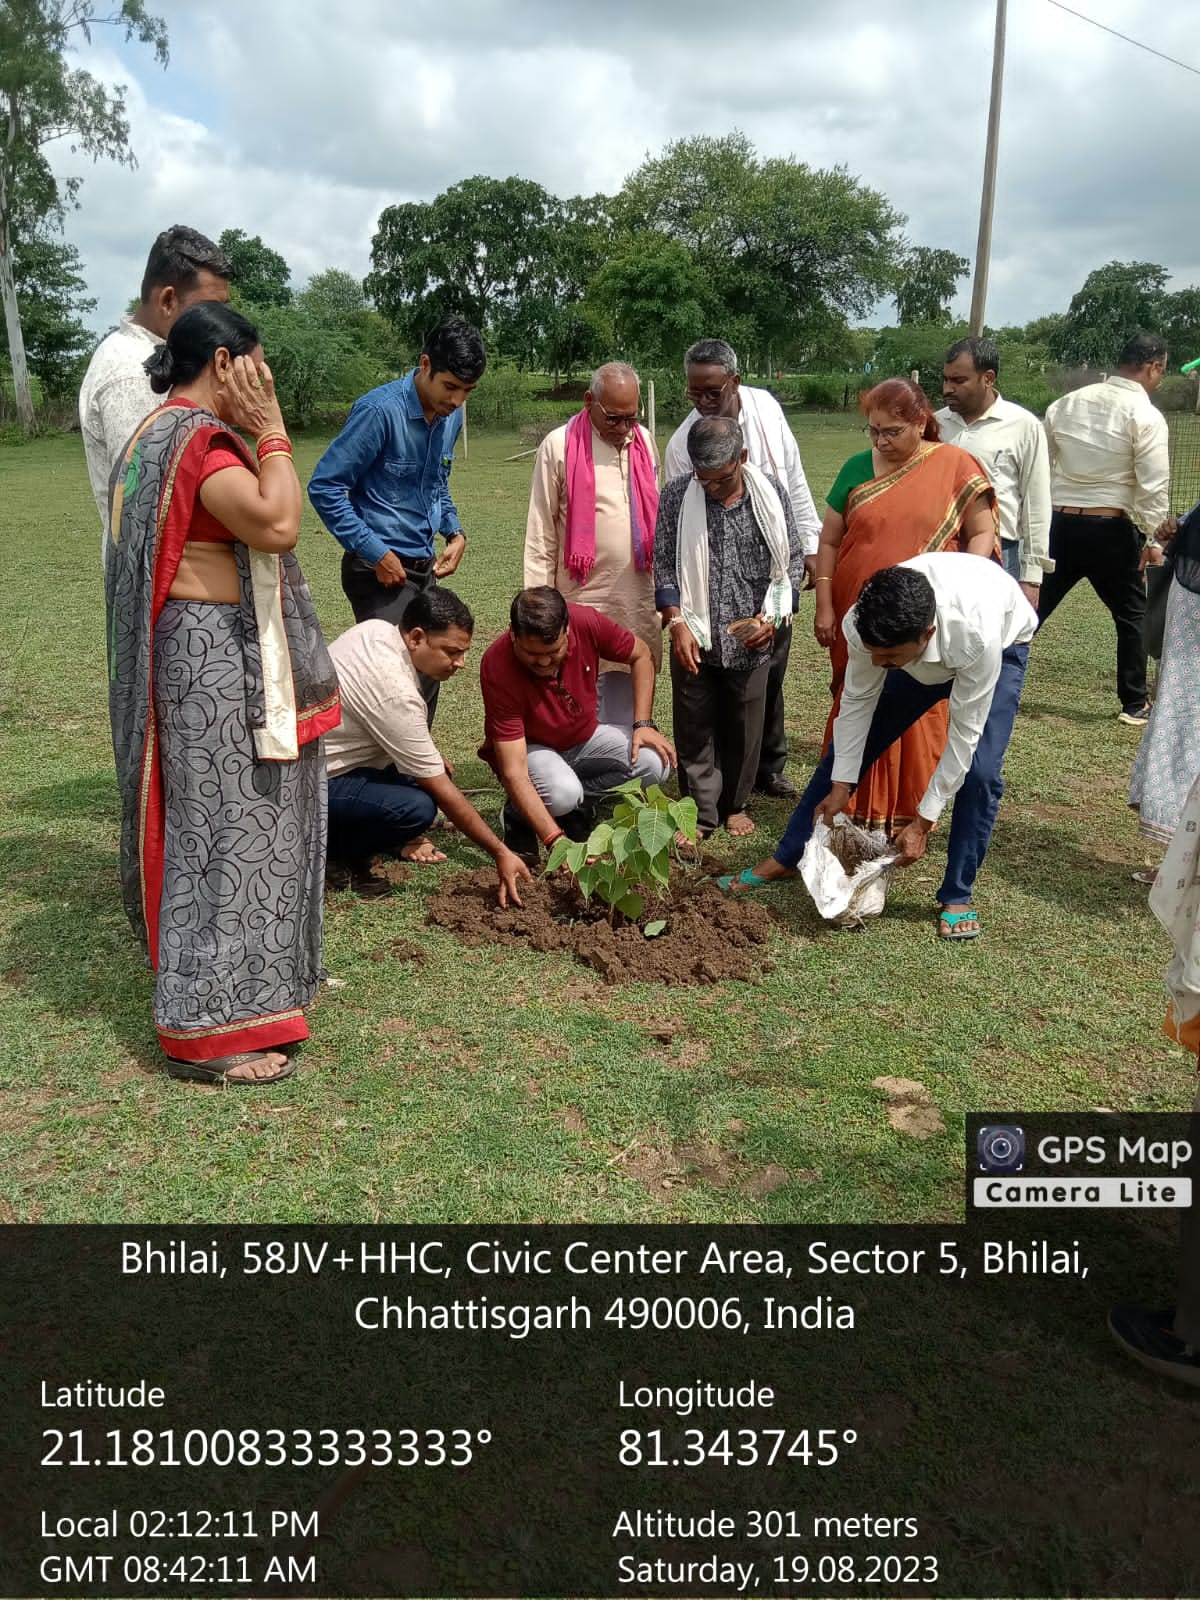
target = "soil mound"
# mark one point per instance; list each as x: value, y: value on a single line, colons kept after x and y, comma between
x: 709, y: 936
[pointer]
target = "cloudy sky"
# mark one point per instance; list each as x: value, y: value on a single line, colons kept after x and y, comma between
x: 301, y: 130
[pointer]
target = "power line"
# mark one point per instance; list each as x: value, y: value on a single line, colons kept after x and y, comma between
x: 1150, y: 50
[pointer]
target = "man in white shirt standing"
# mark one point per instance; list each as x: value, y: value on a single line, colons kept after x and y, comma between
x: 938, y: 627
x: 715, y: 388
x: 1109, y: 477
x: 593, y: 505
x: 1010, y: 446
x: 183, y: 268
x: 387, y: 778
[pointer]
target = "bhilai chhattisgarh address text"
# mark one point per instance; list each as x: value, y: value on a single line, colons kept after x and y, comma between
x: 490, y: 1259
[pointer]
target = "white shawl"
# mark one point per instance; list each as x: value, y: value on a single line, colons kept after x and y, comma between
x: 692, y: 555
x: 1175, y: 901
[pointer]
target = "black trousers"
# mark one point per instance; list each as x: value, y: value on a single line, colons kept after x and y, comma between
x: 718, y: 720
x: 773, y: 755
x: 370, y: 599
x: 1105, y: 551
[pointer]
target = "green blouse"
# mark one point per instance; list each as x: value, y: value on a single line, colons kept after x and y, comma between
x: 857, y: 469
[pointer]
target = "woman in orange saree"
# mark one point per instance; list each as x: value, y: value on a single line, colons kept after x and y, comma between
x: 907, y: 496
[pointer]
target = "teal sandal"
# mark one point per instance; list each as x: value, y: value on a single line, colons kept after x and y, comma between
x: 958, y: 925
x: 747, y: 879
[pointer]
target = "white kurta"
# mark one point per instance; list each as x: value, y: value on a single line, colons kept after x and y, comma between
x: 614, y: 587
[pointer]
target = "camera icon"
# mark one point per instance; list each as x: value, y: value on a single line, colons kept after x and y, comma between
x: 1001, y: 1149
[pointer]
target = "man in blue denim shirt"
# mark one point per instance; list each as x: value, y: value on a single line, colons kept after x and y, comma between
x: 382, y: 487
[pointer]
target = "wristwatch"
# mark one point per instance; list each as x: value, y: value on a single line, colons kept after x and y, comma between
x: 648, y: 723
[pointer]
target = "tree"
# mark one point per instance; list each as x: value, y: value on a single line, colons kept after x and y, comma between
x: 928, y: 283
x: 655, y: 298
x: 477, y: 249
x: 42, y: 99
x: 784, y: 248
x: 1179, y: 324
x: 52, y: 297
x: 260, y: 273
x: 332, y: 294
x: 1116, y: 301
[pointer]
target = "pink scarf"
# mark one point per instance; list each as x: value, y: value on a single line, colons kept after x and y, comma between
x: 580, y: 553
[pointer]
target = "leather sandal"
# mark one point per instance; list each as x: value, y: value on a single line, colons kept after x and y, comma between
x: 218, y: 1071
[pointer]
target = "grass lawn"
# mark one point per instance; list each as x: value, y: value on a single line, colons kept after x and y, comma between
x: 477, y: 1087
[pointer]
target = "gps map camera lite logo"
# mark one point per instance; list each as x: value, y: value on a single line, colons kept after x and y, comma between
x: 1000, y: 1149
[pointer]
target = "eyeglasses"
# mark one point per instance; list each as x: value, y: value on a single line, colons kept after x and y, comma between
x: 696, y: 395
x: 723, y: 481
x: 617, y: 419
x: 887, y: 433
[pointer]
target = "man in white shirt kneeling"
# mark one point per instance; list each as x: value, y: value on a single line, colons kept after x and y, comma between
x: 939, y: 627
x: 387, y: 780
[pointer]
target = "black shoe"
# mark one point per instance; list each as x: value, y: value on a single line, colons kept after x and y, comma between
x: 578, y: 825
x: 1147, y: 1337
x: 778, y: 788
x: 519, y: 836
x: 1135, y: 716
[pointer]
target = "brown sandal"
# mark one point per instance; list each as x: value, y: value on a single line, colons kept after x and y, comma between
x: 218, y: 1071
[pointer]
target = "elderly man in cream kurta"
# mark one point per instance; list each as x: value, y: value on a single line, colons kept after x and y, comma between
x: 615, y: 578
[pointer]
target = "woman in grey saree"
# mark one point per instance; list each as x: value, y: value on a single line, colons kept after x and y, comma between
x: 219, y: 690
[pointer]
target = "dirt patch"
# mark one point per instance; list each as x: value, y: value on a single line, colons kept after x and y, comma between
x: 399, y: 950
x: 572, y: 1119
x: 699, y: 1163
x: 709, y: 938
x: 910, y: 1107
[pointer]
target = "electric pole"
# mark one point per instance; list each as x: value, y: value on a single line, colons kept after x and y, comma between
x: 983, y: 249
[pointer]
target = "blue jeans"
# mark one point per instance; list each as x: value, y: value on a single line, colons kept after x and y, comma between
x: 375, y: 810
x: 975, y: 805
x: 1010, y: 555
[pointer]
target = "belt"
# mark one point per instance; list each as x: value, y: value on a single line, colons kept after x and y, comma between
x: 1090, y: 511
x: 416, y: 563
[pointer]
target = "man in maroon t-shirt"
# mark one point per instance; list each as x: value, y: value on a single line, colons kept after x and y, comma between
x: 541, y: 732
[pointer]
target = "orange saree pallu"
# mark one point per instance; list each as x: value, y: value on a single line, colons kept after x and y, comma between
x: 916, y: 510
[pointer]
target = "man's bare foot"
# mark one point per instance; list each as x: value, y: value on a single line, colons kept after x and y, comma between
x: 739, y: 825
x: 768, y: 871
x: 422, y: 852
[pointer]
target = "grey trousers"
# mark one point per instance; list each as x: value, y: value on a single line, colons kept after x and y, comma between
x: 1187, y: 1304
x: 565, y: 778
x: 718, y: 726
x: 772, y: 757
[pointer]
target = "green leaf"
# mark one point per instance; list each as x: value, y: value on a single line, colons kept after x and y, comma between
x: 575, y: 855
x: 600, y: 839
x: 655, y: 830
x: 653, y: 929
x: 609, y: 883
x: 657, y: 799
x: 631, y: 906
x: 558, y: 854
x: 686, y: 817
x: 636, y: 866
x: 625, y: 815
x: 660, y: 870
x: 632, y: 788
x: 586, y: 879
x: 620, y: 844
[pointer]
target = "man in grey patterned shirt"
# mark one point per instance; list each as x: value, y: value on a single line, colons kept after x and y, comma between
x: 719, y: 682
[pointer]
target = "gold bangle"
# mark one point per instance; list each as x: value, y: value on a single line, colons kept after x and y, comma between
x: 822, y: 580
x: 267, y: 454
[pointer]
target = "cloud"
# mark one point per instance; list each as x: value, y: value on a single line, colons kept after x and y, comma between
x: 303, y: 131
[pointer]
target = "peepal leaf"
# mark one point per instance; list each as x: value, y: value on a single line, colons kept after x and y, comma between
x: 655, y: 830
x: 558, y: 854
x: 653, y: 929
x: 599, y: 839
x: 576, y: 855
x: 620, y: 844
x: 686, y: 817
x: 631, y: 906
